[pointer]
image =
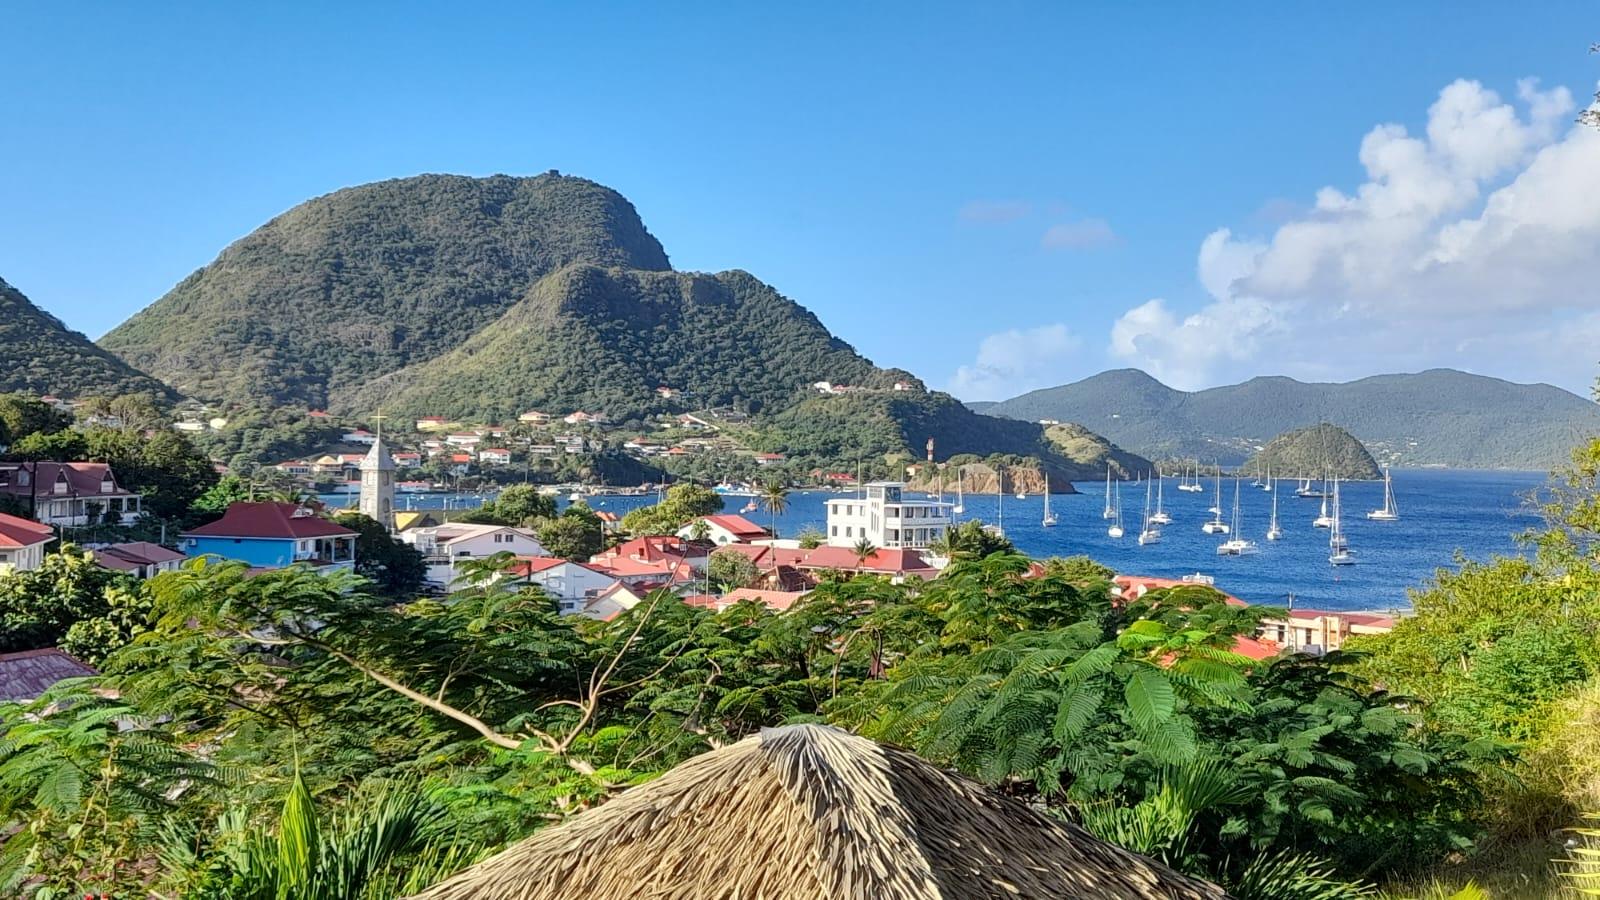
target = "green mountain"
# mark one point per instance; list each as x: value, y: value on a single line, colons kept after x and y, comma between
x: 1438, y: 417
x: 41, y: 356
x: 476, y: 299
x: 367, y: 280
x: 1313, y: 452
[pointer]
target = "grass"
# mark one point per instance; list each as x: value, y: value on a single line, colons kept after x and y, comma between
x: 1520, y: 871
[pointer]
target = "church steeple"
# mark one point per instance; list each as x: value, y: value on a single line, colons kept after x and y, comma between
x: 377, y: 482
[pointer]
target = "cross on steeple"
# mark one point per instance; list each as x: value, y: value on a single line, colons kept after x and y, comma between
x: 377, y: 424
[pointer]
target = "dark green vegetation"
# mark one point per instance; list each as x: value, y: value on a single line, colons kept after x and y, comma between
x: 1314, y: 452
x: 477, y: 299
x: 40, y: 355
x: 1437, y: 417
x: 367, y: 280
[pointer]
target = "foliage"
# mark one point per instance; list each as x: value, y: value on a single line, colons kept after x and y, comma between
x: 38, y: 606
x: 394, y: 567
x: 729, y: 569
x: 1581, y: 867
x: 164, y: 467
x: 1313, y: 452
x: 22, y: 415
x: 682, y: 504
x: 44, y: 357
x: 972, y: 540
x: 576, y: 534
x: 215, y: 500
x: 517, y: 504
x: 811, y: 537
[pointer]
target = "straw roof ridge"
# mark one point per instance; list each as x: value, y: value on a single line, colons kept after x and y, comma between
x: 811, y: 812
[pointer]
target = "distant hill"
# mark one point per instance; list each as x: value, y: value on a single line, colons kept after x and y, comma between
x: 1314, y: 452
x: 367, y: 280
x: 1438, y: 417
x: 477, y: 299
x: 39, y: 355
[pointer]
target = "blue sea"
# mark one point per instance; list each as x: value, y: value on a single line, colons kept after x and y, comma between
x: 1443, y: 514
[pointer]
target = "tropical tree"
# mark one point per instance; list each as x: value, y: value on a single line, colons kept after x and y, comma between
x: 775, y: 497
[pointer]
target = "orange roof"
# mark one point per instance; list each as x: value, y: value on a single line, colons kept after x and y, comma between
x: 881, y: 560
x: 738, y: 526
x: 1135, y: 586
x: 777, y: 601
x: 1255, y: 648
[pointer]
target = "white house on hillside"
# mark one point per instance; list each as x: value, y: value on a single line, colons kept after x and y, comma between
x: 446, y: 547
x: 22, y: 543
x: 886, y: 519
x: 572, y: 584
x: 725, y: 529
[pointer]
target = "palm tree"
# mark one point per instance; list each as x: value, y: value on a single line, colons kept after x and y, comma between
x: 863, y: 550
x: 775, y: 497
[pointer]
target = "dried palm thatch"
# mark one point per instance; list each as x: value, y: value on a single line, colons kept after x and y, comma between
x: 809, y: 812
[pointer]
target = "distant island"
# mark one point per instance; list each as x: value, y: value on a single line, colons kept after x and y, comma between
x: 1441, y: 417
x: 1315, y: 452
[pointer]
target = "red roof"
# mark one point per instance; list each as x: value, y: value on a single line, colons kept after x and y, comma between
x: 1255, y: 648
x: 881, y: 560
x: 460, y: 458
x: 269, y: 520
x: 26, y: 675
x: 16, y: 531
x: 738, y: 526
x: 1134, y: 586
x: 766, y: 557
x: 130, y: 556
x: 81, y: 478
x: 777, y: 601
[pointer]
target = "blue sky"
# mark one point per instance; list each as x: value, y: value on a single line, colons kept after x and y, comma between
x: 996, y: 196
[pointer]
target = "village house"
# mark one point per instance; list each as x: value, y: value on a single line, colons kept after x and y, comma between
x: 897, y: 564
x: 293, y: 467
x: 654, y: 559
x: 432, y: 423
x: 69, y: 494
x: 542, y: 450
x: 458, y: 463
x: 667, y: 393
x: 613, y: 602
x: 583, y: 418
x: 572, y: 584
x: 464, y: 439
x: 724, y: 529
x: 407, y: 459
x: 272, y: 535
x: 22, y: 543
x: 534, y: 417
x: 768, y: 459
x: 495, y: 456
x: 445, y: 548
x: 140, y: 559
x: 27, y: 674
x: 884, y: 518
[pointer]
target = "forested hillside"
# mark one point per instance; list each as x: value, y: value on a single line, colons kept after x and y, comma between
x: 1437, y: 417
x: 364, y: 281
x: 604, y: 339
x: 1314, y: 452
x: 39, y: 355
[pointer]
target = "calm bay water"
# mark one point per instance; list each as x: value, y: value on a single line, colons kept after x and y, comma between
x: 1442, y: 512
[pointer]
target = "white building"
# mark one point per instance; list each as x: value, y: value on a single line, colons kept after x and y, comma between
x: 22, y: 543
x: 887, y: 520
x: 446, y: 547
x: 70, y: 494
x: 572, y: 584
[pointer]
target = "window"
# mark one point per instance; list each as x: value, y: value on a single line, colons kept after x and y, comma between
x: 848, y: 532
x: 835, y: 531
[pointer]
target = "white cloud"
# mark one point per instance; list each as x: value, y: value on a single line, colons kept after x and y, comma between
x: 1012, y: 362
x: 990, y: 212
x: 1084, y: 234
x: 1469, y: 245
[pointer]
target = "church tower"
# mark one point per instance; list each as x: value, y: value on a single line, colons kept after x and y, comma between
x: 377, y: 484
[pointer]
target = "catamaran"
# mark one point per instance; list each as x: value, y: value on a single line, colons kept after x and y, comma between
x: 1390, y: 512
x: 1149, y: 534
x: 1116, y: 522
x: 1160, y: 516
x: 1216, y: 525
x: 1323, y: 520
x: 1049, y: 517
x: 1339, y: 553
x: 1216, y: 506
x: 1237, y: 545
x: 1273, y: 531
x: 1109, y: 513
x: 1192, y: 487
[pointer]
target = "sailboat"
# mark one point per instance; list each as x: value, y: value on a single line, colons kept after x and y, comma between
x: 1273, y: 531
x: 1237, y: 545
x: 1339, y: 553
x: 1049, y: 517
x: 1269, y: 483
x: 1323, y: 520
x: 1109, y: 512
x: 1160, y: 517
x: 1304, y: 490
x: 748, y: 507
x: 1192, y: 487
x: 1116, y: 522
x: 1216, y: 525
x: 1149, y: 533
x: 1390, y: 512
x: 998, y: 529
x: 961, y: 500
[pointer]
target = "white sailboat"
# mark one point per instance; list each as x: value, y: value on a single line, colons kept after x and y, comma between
x: 1390, y: 512
x: 1273, y: 531
x: 1148, y: 533
x: 1304, y: 490
x: 1160, y: 516
x: 1186, y: 485
x: 1323, y: 520
x: 961, y: 500
x: 1269, y: 483
x: 1339, y: 553
x: 1237, y: 545
x: 1116, y: 522
x: 998, y: 529
x: 1216, y: 525
x: 1109, y: 511
x: 1049, y: 517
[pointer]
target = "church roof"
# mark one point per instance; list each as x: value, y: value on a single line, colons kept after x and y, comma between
x: 378, y: 458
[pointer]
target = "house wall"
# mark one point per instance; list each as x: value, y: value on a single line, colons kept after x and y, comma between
x: 266, y: 553
x: 572, y: 585
x: 21, y: 559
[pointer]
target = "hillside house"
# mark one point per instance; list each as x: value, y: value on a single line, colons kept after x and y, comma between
x: 885, y: 518
x: 432, y: 423
x: 534, y: 417
x: 724, y: 529
x: 466, y: 440
x: 584, y: 418
x: 572, y: 584
x: 140, y: 559
x: 768, y: 459
x: 26, y: 675
x: 22, y: 543
x: 69, y: 494
x: 271, y: 535
x: 359, y: 436
x: 445, y: 548
x: 495, y: 456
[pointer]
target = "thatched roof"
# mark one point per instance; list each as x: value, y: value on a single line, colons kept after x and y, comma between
x: 810, y: 812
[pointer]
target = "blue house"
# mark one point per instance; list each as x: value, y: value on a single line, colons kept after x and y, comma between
x: 274, y: 536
